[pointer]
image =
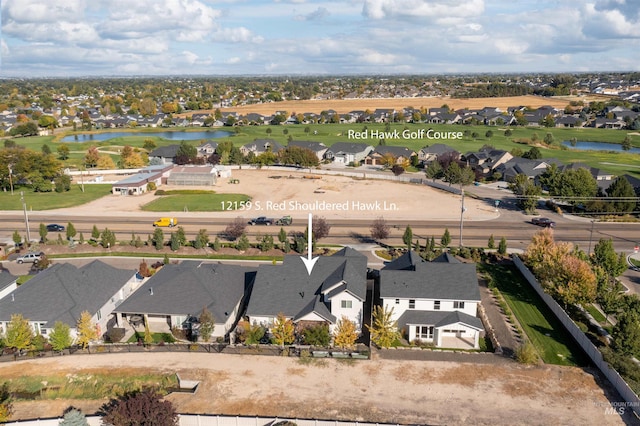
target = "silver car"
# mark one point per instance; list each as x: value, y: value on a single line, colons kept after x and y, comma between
x: 30, y: 258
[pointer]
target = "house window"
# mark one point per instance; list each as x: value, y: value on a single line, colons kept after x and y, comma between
x: 346, y: 304
x: 412, y: 303
x: 43, y: 330
x: 424, y: 332
x: 458, y: 305
x: 436, y: 305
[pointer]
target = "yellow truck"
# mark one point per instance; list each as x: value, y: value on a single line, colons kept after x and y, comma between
x: 166, y: 221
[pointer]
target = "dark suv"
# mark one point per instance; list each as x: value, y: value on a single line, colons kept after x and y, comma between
x: 54, y: 227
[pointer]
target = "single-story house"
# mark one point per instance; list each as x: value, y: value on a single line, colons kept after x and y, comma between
x: 432, y: 153
x: 348, y: 152
x: 63, y: 291
x: 433, y: 302
x: 164, y: 154
x: 318, y: 148
x: 177, y: 294
x: 398, y: 153
x: 260, y: 146
x: 336, y: 287
x: 139, y: 183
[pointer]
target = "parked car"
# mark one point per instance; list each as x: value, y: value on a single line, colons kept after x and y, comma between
x: 261, y: 221
x: 284, y: 220
x: 543, y: 221
x: 30, y: 257
x: 54, y: 227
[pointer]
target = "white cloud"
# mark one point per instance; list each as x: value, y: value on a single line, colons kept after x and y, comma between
x: 37, y: 11
x: 317, y: 15
x: 236, y: 35
x: 381, y: 9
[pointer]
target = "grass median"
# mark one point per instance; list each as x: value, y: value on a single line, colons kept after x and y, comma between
x: 553, y: 343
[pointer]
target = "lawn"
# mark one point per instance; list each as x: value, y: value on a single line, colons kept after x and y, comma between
x: 53, y: 200
x: 157, y: 337
x: 551, y: 340
x: 595, y: 313
x: 196, y: 202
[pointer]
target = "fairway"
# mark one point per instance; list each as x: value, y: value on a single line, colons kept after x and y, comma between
x: 551, y: 340
x: 53, y: 200
x: 196, y: 201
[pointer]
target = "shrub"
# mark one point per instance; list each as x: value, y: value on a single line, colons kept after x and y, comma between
x: 526, y: 354
x: 114, y: 335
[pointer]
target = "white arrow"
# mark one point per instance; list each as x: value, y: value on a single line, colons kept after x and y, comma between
x: 309, y: 261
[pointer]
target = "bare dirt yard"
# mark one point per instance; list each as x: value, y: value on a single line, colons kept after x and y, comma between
x: 415, y: 392
x: 342, y: 106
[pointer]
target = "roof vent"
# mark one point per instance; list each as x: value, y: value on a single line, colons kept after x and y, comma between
x: 301, y: 294
x: 13, y: 297
x: 150, y: 291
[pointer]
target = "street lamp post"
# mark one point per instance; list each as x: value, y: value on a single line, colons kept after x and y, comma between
x: 462, y: 210
x: 593, y: 221
x: 11, y: 178
x: 26, y: 217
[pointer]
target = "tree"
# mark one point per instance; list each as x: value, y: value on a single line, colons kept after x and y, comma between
x: 533, y: 154
x: 6, y: 404
x: 148, y: 337
x: 320, y: 227
x: 282, y: 236
x: 95, y: 233
x: 105, y: 162
x: 42, y: 230
x: 235, y: 229
x: 174, y: 243
x: 63, y: 151
x: 317, y: 335
x: 74, y: 417
x: 626, y: 143
x: 526, y: 191
x: 71, y: 231
x: 622, y: 192
x: 137, y: 408
x: 491, y: 244
x: 86, y: 330
x: 91, y: 157
x: 446, y: 238
x: 502, y: 246
x: 60, y: 337
x: 434, y: 170
x: 158, y: 239
x: 380, y: 229
x: 19, y: 334
x: 626, y: 333
x: 45, y: 149
x: 266, y: 243
x: 397, y: 169
x: 62, y: 183
x: 202, y: 239
x: 186, y: 153
x: 283, y: 330
x: 207, y: 324
x: 407, y: 237
x: 605, y: 256
x: 107, y: 238
x: 17, y: 238
x: 243, y: 243
x: 383, y: 329
x: 345, y: 334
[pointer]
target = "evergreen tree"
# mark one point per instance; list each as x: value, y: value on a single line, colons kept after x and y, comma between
x: 60, y: 337
x: 95, y: 233
x: 243, y: 243
x: 491, y: 244
x: 502, y: 247
x: 407, y: 237
x: 216, y: 244
x: 71, y: 231
x: 158, y: 239
x: 43, y: 233
x: 74, y: 417
x: 446, y: 238
x: 174, y: 241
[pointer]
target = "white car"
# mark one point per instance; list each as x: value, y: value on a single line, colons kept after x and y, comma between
x: 30, y: 258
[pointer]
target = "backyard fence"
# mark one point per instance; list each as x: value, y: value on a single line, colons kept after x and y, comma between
x: 631, y: 400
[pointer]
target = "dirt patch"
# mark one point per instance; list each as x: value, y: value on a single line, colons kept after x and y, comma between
x: 414, y: 392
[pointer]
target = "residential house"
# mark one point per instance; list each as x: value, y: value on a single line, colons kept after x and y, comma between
x: 318, y: 148
x: 399, y: 153
x: 433, y: 302
x: 485, y: 161
x: 335, y: 288
x: 164, y: 154
x: 260, y: 146
x: 176, y: 295
x: 63, y: 291
x: 348, y: 152
x: 431, y: 153
x: 8, y: 282
x: 207, y: 148
x: 523, y: 166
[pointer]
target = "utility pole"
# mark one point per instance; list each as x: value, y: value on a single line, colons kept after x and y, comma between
x: 462, y: 209
x: 26, y: 218
x: 11, y: 177
x: 591, y: 236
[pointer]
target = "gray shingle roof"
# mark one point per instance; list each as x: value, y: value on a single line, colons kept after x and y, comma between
x: 289, y: 289
x: 438, y: 319
x: 63, y: 291
x: 186, y: 288
x: 169, y: 151
x: 6, y: 279
x: 452, y: 281
x: 349, y: 147
x: 406, y: 262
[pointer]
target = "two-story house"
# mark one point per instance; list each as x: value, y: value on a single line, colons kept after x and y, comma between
x: 433, y: 302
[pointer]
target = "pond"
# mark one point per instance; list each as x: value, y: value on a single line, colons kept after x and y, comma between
x: 598, y: 146
x: 169, y: 135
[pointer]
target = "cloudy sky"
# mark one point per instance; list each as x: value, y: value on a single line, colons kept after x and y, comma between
x: 276, y: 37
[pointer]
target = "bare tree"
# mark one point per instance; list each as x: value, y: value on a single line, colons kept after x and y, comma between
x: 380, y: 229
x: 320, y: 227
x: 235, y: 229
